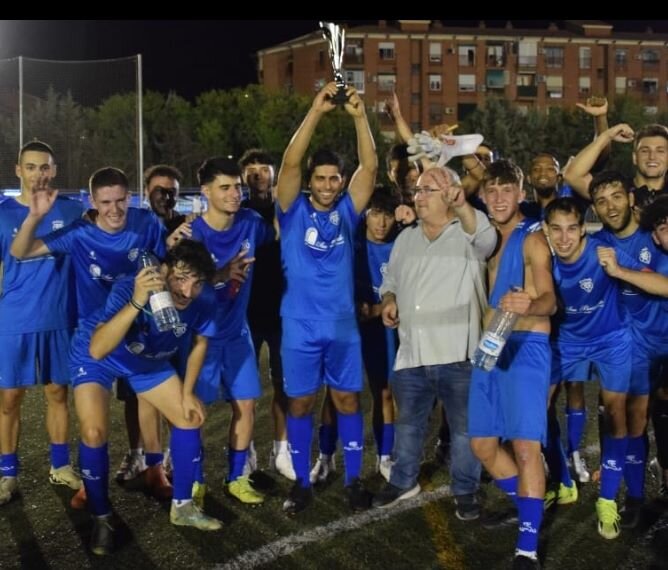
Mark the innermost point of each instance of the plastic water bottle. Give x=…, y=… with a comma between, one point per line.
x=494, y=338
x=197, y=206
x=162, y=305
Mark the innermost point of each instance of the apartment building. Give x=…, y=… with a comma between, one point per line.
x=442, y=73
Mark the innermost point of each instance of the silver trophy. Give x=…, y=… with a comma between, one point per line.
x=336, y=39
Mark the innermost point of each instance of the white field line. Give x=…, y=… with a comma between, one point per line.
x=289, y=544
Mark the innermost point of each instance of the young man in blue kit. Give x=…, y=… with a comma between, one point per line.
x=592, y=329
x=100, y=252
x=39, y=315
x=321, y=343
x=510, y=402
x=122, y=340
x=231, y=234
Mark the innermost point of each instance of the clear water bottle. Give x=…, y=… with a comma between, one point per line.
x=494, y=338
x=162, y=305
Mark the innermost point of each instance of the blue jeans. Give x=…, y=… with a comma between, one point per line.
x=414, y=390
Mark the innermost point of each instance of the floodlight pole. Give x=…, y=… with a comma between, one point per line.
x=140, y=131
x=20, y=101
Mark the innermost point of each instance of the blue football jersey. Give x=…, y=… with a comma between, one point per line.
x=248, y=232
x=37, y=294
x=317, y=252
x=144, y=344
x=101, y=258
x=589, y=297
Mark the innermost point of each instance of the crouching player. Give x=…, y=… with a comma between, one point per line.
x=122, y=340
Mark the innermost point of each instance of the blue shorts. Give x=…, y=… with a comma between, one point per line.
x=100, y=372
x=510, y=401
x=30, y=359
x=317, y=352
x=229, y=371
x=611, y=354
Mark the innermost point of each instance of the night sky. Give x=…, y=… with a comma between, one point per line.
x=185, y=56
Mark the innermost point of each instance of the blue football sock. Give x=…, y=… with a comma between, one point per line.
x=351, y=428
x=60, y=454
x=185, y=445
x=576, y=420
x=153, y=459
x=612, y=465
x=327, y=436
x=236, y=459
x=509, y=487
x=199, y=467
x=94, y=465
x=300, y=437
x=634, y=467
x=9, y=465
x=530, y=514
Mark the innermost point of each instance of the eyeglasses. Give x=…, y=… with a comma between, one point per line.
x=425, y=191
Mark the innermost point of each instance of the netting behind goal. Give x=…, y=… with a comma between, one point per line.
x=88, y=111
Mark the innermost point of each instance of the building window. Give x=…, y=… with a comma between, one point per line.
x=415, y=69
x=555, y=86
x=621, y=58
x=466, y=82
x=620, y=85
x=386, y=81
x=650, y=86
x=435, y=52
x=386, y=50
x=584, y=85
x=354, y=52
x=356, y=79
x=415, y=98
x=650, y=58
x=585, y=57
x=528, y=53
x=466, y=55
x=435, y=113
x=495, y=79
x=495, y=56
x=554, y=56
x=434, y=82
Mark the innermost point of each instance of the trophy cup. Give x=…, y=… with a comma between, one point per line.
x=336, y=40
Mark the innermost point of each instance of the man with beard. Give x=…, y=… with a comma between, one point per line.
x=614, y=202
x=650, y=158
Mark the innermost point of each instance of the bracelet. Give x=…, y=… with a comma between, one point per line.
x=136, y=305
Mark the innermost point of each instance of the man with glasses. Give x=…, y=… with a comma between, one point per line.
x=434, y=288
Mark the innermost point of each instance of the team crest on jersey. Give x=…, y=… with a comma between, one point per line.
x=383, y=269
x=246, y=245
x=136, y=347
x=180, y=329
x=645, y=256
x=133, y=253
x=57, y=224
x=95, y=270
x=334, y=218
x=587, y=284
x=311, y=236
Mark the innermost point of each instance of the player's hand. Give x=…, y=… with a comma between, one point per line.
x=193, y=409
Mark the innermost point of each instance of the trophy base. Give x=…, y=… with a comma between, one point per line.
x=341, y=98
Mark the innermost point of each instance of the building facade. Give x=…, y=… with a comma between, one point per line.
x=443, y=73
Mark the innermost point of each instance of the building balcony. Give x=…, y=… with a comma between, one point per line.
x=527, y=91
